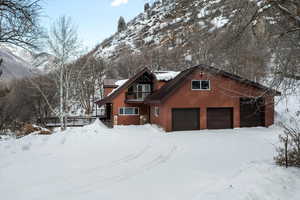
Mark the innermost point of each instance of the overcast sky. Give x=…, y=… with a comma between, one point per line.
x=96, y=19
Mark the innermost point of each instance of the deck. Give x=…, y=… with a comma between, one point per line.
x=54, y=122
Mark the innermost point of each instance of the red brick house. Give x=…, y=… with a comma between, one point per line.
x=201, y=97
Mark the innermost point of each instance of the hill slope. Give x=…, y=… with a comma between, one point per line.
x=176, y=23
x=13, y=66
x=175, y=34
x=166, y=24
x=20, y=63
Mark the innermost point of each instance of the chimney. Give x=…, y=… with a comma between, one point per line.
x=108, y=86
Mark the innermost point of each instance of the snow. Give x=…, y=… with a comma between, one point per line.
x=163, y=25
x=149, y=39
x=189, y=57
x=160, y=75
x=165, y=75
x=119, y=83
x=13, y=66
x=22, y=63
x=143, y=162
x=287, y=106
x=219, y=21
x=154, y=26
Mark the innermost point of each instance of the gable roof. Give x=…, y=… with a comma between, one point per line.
x=122, y=87
x=170, y=87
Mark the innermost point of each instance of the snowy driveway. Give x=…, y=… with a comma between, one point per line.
x=141, y=162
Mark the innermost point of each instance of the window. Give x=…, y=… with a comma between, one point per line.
x=143, y=90
x=200, y=85
x=156, y=111
x=129, y=111
x=143, y=87
x=205, y=85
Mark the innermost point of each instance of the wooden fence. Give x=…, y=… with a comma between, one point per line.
x=52, y=122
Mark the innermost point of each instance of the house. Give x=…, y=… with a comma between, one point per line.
x=201, y=97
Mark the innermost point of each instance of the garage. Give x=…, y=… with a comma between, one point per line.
x=252, y=112
x=184, y=119
x=219, y=118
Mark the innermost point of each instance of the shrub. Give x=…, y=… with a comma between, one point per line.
x=289, y=151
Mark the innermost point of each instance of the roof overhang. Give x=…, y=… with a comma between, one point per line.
x=110, y=86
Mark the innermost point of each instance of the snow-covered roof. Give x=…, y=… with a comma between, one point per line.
x=160, y=75
x=165, y=75
x=119, y=83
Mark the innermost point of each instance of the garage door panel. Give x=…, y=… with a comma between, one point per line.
x=185, y=119
x=252, y=112
x=219, y=118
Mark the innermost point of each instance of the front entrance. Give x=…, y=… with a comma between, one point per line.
x=184, y=119
x=108, y=119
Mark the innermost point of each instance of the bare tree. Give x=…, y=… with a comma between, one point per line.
x=4, y=89
x=64, y=44
x=281, y=34
x=24, y=103
x=19, y=26
x=88, y=75
x=1, y=71
x=19, y=22
x=289, y=152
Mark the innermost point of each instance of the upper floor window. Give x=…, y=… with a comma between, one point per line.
x=129, y=111
x=200, y=85
x=143, y=88
x=138, y=92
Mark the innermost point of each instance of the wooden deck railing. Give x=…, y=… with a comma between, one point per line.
x=52, y=122
x=136, y=96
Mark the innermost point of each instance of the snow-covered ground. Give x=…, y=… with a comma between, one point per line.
x=142, y=162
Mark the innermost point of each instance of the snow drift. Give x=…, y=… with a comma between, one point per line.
x=142, y=162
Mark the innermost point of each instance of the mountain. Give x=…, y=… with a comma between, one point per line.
x=236, y=36
x=171, y=23
x=42, y=62
x=20, y=63
x=13, y=66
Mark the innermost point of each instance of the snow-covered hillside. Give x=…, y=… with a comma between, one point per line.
x=43, y=62
x=171, y=23
x=19, y=63
x=142, y=162
x=167, y=23
x=13, y=66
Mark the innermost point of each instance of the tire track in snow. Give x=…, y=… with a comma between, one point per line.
x=126, y=159
x=160, y=159
x=89, y=172
x=157, y=161
x=105, y=181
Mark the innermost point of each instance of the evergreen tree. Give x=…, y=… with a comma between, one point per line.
x=121, y=24
x=146, y=7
